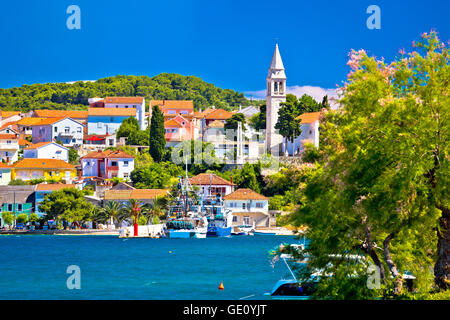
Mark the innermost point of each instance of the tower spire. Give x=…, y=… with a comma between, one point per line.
x=276, y=63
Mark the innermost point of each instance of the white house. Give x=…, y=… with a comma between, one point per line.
x=211, y=185
x=9, y=147
x=107, y=164
x=310, y=133
x=248, y=207
x=47, y=150
x=66, y=130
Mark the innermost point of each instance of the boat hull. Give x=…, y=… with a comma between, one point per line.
x=214, y=231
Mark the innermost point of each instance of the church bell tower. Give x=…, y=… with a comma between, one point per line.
x=276, y=94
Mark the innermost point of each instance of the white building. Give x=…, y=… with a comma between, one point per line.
x=107, y=164
x=47, y=150
x=211, y=185
x=309, y=124
x=248, y=207
x=9, y=147
x=66, y=130
x=276, y=94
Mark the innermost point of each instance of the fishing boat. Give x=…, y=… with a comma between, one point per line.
x=185, y=219
x=220, y=219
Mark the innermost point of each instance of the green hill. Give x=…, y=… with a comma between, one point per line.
x=75, y=96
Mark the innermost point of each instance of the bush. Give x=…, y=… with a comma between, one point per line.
x=22, y=218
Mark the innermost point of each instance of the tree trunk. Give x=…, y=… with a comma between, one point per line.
x=371, y=250
x=442, y=266
x=391, y=265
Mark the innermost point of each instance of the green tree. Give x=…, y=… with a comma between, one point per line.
x=8, y=218
x=232, y=123
x=127, y=127
x=74, y=157
x=155, y=175
x=22, y=218
x=258, y=120
x=384, y=174
x=287, y=125
x=157, y=134
x=33, y=217
x=17, y=182
x=112, y=211
x=67, y=204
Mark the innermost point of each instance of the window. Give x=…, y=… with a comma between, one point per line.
x=8, y=141
x=235, y=218
x=88, y=163
x=58, y=152
x=125, y=163
x=125, y=175
x=79, y=129
x=10, y=207
x=246, y=220
x=111, y=142
x=19, y=207
x=56, y=129
x=66, y=129
x=114, y=163
x=243, y=205
x=1, y=174
x=73, y=140
x=259, y=205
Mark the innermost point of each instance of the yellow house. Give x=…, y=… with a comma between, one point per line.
x=31, y=168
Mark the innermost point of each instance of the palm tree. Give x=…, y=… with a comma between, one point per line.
x=157, y=208
x=112, y=211
x=128, y=211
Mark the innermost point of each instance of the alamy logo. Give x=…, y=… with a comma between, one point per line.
x=374, y=20
x=373, y=281
x=74, y=20
x=74, y=280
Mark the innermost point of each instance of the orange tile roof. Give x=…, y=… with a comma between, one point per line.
x=53, y=187
x=172, y=123
x=27, y=121
x=24, y=142
x=4, y=165
x=173, y=104
x=46, y=121
x=138, y=194
x=8, y=136
x=244, y=194
x=7, y=114
x=218, y=114
x=123, y=112
x=31, y=163
x=122, y=100
x=75, y=114
x=12, y=123
x=216, y=124
x=113, y=154
x=309, y=117
x=41, y=144
x=207, y=178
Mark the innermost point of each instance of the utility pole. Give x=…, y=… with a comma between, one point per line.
x=14, y=209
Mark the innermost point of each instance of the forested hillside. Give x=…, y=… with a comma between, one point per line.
x=73, y=96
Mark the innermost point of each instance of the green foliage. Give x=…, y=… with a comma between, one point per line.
x=287, y=125
x=127, y=126
x=155, y=175
x=36, y=181
x=22, y=218
x=131, y=130
x=67, y=204
x=75, y=96
x=258, y=120
x=201, y=156
x=33, y=217
x=73, y=156
x=7, y=217
x=310, y=153
x=17, y=182
x=232, y=123
x=157, y=135
x=383, y=179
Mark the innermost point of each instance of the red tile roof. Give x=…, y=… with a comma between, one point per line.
x=121, y=112
x=8, y=136
x=111, y=154
x=218, y=114
x=40, y=144
x=53, y=187
x=74, y=114
x=209, y=178
x=309, y=117
x=244, y=194
x=173, y=104
x=31, y=163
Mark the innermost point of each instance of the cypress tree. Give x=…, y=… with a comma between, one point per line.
x=157, y=135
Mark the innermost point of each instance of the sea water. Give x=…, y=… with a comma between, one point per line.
x=35, y=267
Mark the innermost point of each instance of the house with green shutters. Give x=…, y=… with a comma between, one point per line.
x=16, y=199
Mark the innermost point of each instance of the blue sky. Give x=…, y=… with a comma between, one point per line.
x=227, y=42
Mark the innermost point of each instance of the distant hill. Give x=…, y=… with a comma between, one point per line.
x=169, y=86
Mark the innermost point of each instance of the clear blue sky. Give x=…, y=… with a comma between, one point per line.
x=226, y=42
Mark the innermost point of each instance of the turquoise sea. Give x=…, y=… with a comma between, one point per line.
x=34, y=267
